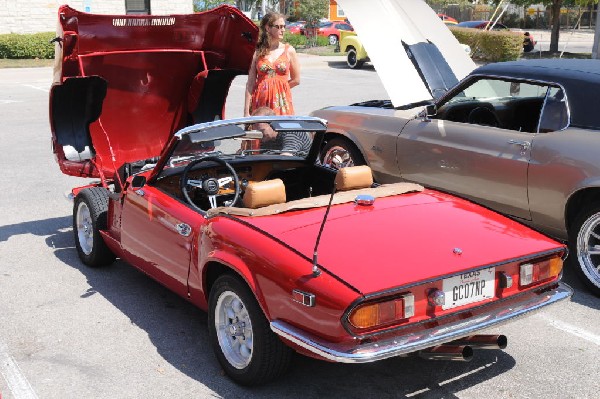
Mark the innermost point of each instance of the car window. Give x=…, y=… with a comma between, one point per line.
x=343, y=27
x=507, y=104
x=555, y=114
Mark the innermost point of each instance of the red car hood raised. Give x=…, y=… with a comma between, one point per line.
x=404, y=239
x=123, y=84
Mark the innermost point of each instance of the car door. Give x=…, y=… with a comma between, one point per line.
x=479, y=144
x=160, y=234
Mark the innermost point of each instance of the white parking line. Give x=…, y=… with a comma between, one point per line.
x=18, y=385
x=44, y=89
x=571, y=329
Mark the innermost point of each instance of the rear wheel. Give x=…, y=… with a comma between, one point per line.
x=333, y=39
x=352, y=59
x=89, y=217
x=584, y=247
x=247, y=349
x=339, y=153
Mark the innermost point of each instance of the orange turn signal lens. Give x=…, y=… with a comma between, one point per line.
x=380, y=313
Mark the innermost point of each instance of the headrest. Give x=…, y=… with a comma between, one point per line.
x=264, y=193
x=353, y=177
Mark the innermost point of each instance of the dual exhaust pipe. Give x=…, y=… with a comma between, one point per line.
x=462, y=349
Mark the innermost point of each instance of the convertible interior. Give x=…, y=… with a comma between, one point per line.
x=273, y=186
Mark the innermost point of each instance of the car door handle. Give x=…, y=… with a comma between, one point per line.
x=184, y=229
x=524, y=144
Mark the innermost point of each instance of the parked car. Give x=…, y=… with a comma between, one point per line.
x=284, y=254
x=528, y=40
x=447, y=19
x=295, y=28
x=518, y=137
x=331, y=29
x=356, y=55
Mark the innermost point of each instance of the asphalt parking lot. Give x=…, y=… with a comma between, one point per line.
x=69, y=331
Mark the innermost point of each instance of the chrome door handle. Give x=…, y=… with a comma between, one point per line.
x=524, y=144
x=183, y=229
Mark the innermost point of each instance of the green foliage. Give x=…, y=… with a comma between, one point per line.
x=299, y=41
x=312, y=10
x=204, y=5
x=36, y=45
x=491, y=46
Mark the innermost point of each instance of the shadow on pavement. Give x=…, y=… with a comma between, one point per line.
x=179, y=332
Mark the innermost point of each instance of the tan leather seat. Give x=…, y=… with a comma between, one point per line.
x=264, y=193
x=353, y=178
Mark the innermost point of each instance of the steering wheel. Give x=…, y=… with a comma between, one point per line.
x=210, y=186
x=483, y=116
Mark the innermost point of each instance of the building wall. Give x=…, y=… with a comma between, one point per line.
x=31, y=16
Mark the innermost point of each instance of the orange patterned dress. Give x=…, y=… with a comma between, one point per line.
x=272, y=87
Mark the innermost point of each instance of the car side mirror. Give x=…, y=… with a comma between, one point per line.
x=430, y=110
x=138, y=182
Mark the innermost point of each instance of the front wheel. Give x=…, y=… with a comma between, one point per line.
x=340, y=153
x=584, y=247
x=333, y=39
x=89, y=217
x=247, y=349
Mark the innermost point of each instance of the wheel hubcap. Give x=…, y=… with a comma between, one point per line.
x=85, y=230
x=352, y=58
x=588, y=248
x=234, y=330
x=337, y=157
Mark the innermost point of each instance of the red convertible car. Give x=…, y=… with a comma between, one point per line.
x=285, y=255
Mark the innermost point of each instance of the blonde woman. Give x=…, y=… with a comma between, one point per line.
x=274, y=70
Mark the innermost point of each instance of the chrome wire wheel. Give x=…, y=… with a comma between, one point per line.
x=588, y=248
x=337, y=157
x=234, y=329
x=85, y=228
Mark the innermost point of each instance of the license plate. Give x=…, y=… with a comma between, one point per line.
x=468, y=288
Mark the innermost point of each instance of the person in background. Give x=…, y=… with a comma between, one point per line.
x=527, y=42
x=274, y=70
x=290, y=143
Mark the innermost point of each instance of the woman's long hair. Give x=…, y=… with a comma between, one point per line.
x=263, y=46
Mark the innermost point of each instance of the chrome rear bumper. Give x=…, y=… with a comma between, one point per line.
x=491, y=315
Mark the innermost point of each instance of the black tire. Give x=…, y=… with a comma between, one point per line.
x=352, y=59
x=339, y=153
x=333, y=40
x=580, y=240
x=89, y=217
x=268, y=356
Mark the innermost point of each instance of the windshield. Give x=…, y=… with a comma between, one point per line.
x=262, y=138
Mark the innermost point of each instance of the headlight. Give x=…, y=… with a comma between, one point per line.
x=370, y=315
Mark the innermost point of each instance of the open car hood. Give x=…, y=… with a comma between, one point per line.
x=416, y=56
x=382, y=246
x=124, y=84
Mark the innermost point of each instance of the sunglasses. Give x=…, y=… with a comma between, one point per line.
x=278, y=26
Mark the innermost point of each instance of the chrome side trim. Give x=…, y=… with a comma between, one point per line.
x=355, y=352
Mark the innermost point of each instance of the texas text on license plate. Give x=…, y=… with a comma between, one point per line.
x=469, y=287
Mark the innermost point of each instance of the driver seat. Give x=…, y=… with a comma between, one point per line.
x=264, y=193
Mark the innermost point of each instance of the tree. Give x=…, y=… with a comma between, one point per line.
x=555, y=6
x=311, y=11
x=204, y=5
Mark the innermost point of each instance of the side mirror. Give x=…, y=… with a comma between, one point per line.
x=430, y=110
x=138, y=182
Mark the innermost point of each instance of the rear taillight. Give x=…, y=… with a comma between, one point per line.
x=382, y=313
x=531, y=273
